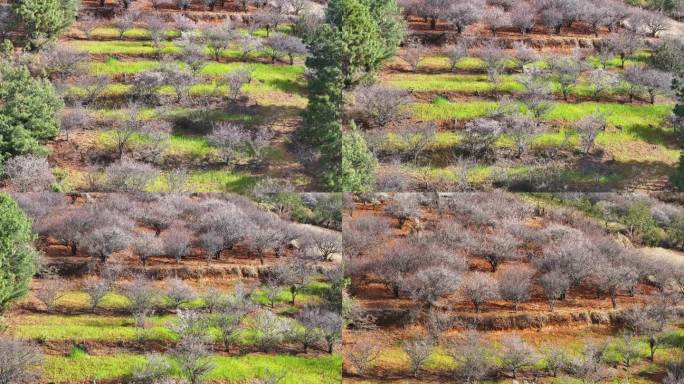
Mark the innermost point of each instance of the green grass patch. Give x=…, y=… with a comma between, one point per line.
x=445, y=110
x=451, y=82
x=177, y=144
x=119, y=47
x=210, y=181
x=91, y=327
x=300, y=370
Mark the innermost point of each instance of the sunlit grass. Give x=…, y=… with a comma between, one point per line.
x=471, y=83
x=239, y=369
x=209, y=181
x=176, y=144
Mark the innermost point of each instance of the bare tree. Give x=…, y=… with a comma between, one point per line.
x=455, y=53
x=600, y=82
x=193, y=355
x=516, y=354
x=651, y=81
x=522, y=17
x=270, y=329
x=537, y=95
x=236, y=80
x=124, y=23
x=403, y=207
x=473, y=356
x=496, y=18
x=480, y=137
x=612, y=278
x=588, y=129
x=127, y=175
x=629, y=348
x=363, y=356
x=143, y=299
x=193, y=55
x=430, y=284
x=103, y=242
x=555, y=284
x=379, y=105
x=623, y=45
x=178, y=293
x=495, y=59
x=52, y=288
x=93, y=87
x=461, y=14
x=218, y=38
x=328, y=324
x=183, y=23
x=479, y=287
x=97, y=289
x=416, y=138
x=418, y=348
x=285, y=44
x=177, y=243
x=497, y=248
x=555, y=357
x=414, y=53
x=19, y=362
x=61, y=63
x=515, y=284
x=588, y=366
x=566, y=71
x=523, y=54
x=29, y=173
x=73, y=119
x=651, y=22
x=145, y=246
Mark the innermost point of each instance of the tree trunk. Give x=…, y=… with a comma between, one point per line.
x=652, y=346
x=74, y=248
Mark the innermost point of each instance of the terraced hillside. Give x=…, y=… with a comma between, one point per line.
x=193, y=99
x=510, y=102
x=497, y=287
x=196, y=302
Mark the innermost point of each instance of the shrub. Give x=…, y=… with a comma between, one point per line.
x=44, y=20
x=379, y=105
x=17, y=254
x=29, y=110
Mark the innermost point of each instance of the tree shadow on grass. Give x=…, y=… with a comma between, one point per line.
x=654, y=135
